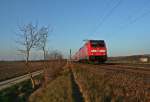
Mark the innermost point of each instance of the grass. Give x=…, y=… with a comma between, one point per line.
x=101, y=86
x=21, y=91
x=59, y=90
x=95, y=85
x=17, y=93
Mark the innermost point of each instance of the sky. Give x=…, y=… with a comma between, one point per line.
x=123, y=24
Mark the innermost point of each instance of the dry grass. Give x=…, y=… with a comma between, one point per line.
x=102, y=86
x=59, y=90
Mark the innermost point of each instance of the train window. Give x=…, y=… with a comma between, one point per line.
x=101, y=44
x=97, y=44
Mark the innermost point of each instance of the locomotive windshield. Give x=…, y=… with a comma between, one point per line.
x=98, y=43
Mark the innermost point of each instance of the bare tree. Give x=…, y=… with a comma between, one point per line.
x=43, y=35
x=29, y=38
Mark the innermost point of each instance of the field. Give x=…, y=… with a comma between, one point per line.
x=74, y=82
x=16, y=68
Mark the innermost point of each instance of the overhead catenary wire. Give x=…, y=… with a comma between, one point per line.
x=133, y=19
x=108, y=14
x=130, y=21
x=136, y=19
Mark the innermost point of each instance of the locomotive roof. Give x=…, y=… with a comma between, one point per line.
x=96, y=40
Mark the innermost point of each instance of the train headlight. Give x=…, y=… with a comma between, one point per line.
x=98, y=50
x=102, y=50
x=93, y=51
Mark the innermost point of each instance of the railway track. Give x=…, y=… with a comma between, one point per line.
x=140, y=72
x=127, y=68
x=127, y=79
x=120, y=68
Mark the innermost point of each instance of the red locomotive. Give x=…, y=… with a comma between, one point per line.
x=92, y=51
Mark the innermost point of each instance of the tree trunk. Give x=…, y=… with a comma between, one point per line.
x=28, y=70
x=45, y=68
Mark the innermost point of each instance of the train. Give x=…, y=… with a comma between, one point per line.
x=91, y=51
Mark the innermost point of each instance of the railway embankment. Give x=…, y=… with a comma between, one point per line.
x=100, y=84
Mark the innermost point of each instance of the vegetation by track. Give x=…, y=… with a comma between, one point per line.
x=63, y=89
x=101, y=85
x=94, y=83
x=133, y=68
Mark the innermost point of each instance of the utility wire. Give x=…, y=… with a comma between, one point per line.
x=135, y=19
x=139, y=17
x=108, y=15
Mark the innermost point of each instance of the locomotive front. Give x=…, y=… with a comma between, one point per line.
x=97, y=51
